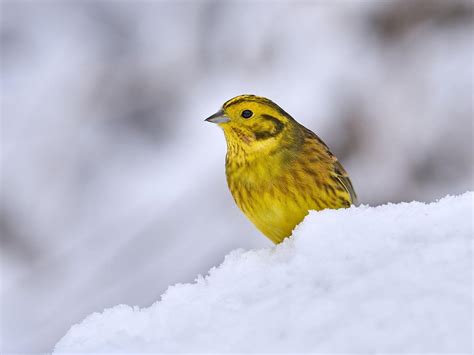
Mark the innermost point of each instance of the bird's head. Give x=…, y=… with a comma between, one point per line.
x=252, y=122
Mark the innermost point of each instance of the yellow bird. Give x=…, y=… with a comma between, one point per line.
x=277, y=170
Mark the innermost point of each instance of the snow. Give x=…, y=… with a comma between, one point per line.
x=393, y=278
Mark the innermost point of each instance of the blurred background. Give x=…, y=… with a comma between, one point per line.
x=113, y=187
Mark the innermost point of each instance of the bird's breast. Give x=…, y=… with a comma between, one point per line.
x=268, y=196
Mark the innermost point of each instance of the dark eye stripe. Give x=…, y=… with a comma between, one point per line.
x=278, y=128
x=247, y=113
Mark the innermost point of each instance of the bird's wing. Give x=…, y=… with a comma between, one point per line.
x=342, y=176
x=339, y=170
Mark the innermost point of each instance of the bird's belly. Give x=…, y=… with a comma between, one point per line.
x=274, y=213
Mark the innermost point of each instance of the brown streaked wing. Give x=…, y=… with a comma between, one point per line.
x=342, y=176
x=339, y=171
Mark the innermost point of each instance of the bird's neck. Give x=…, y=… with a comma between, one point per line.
x=259, y=161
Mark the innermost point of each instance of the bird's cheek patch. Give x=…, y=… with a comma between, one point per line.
x=268, y=127
x=263, y=135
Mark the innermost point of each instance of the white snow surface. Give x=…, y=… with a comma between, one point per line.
x=393, y=278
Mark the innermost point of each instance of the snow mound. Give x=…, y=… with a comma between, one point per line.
x=394, y=278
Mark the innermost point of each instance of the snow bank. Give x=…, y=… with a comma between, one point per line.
x=394, y=278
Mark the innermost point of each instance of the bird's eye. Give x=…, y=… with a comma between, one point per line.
x=247, y=113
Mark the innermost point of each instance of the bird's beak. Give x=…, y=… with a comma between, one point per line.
x=218, y=117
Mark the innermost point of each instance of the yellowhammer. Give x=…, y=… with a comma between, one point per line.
x=277, y=169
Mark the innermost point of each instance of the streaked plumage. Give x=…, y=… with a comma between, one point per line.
x=277, y=170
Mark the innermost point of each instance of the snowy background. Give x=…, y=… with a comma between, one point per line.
x=113, y=187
